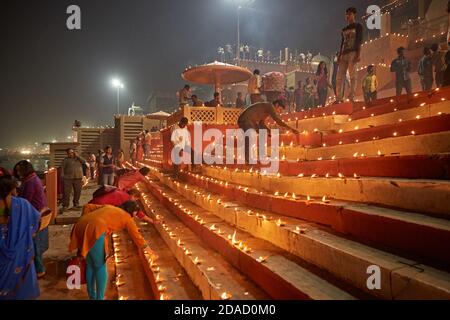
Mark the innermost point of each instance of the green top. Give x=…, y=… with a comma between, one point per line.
x=2, y=212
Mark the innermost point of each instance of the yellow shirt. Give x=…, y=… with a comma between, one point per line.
x=370, y=83
x=97, y=220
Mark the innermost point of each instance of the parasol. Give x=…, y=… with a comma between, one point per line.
x=217, y=74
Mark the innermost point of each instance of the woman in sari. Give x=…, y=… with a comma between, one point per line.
x=32, y=190
x=19, y=220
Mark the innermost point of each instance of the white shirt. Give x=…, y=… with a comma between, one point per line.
x=181, y=137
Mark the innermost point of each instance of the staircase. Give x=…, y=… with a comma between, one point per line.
x=363, y=188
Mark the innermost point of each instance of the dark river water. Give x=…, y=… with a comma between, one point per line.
x=39, y=162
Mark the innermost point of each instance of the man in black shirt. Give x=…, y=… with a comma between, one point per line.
x=402, y=67
x=426, y=70
x=349, y=54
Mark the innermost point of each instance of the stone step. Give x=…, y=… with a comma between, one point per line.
x=422, y=196
x=130, y=274
x=403, y=103
x=346, y=123
x=434, y=167
x=399, y=129
x=346, y=259
x=397, y=146
x=171, y=281
x=415, y=234
x=212, y=275
x=327, y=123
x=429, y=110
x=279, y=274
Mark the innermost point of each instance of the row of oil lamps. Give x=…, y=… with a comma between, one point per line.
x=197, y=261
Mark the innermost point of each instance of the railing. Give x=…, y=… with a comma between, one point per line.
x=206, y=115
x=428, y=30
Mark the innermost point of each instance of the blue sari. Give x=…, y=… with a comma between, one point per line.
x=18, y=280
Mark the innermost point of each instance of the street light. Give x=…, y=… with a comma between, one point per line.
x=116, y=83
x=243, y=3
x=238, y=49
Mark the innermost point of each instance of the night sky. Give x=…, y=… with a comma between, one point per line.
x=50, y=76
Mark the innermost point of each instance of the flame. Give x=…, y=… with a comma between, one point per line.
x=197, y=260
x=225, y=296
x=213, y=228
x=233, y=238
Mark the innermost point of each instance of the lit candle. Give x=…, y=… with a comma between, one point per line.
x=324, y=200
x=197, y=261
x=225, y=296
x=161, y=288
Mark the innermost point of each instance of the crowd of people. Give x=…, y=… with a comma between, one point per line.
x=23, y=240
x=433, y=70
x=140, y=146
x=24, y=236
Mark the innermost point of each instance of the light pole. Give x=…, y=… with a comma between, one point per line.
x=116, y=83
x=238, y=49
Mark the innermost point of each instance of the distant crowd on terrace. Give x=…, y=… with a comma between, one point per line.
x=433, y=71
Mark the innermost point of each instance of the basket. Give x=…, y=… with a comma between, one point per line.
x=46, y=218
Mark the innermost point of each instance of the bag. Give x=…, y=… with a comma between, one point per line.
x=46, y=218
x=79, y=262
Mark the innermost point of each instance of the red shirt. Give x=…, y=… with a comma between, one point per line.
x=128, y=180
x=115, y=198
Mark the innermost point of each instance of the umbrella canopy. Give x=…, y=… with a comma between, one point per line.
x=158, y=115
x=216, y=73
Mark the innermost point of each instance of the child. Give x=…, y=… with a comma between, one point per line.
x=370, y=85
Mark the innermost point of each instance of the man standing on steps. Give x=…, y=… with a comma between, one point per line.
x=255, y=116
x=402, y=67
x=349, y=54
x=255, y=86
x=72, y=173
